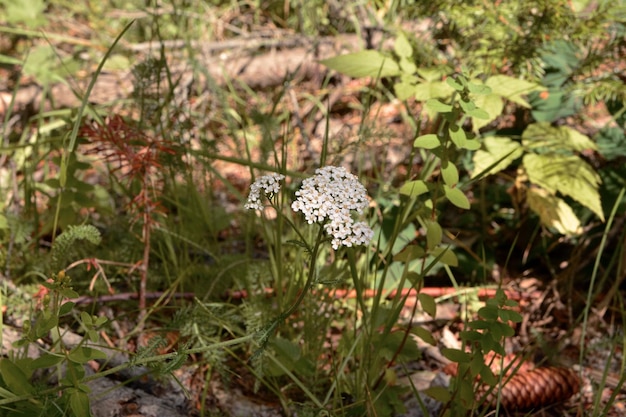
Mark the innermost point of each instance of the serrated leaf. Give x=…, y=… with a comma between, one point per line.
x=434, y=234
x=402, y=47
x=553, y=211
x=512, y=88
x=458, y=136
x=413, y=189
x=366, y=63
x=428, y=304
x=555, y=138
x=430, y=141
x=498, y=154
x=436, y=105
x=567, y=174
x=456, y=197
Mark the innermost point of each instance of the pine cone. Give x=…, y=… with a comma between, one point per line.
x=536, y=388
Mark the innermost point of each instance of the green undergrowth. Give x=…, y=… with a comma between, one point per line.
x=500, y=175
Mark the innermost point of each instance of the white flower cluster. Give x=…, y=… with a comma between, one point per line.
x=270, y=184
x=328, y=197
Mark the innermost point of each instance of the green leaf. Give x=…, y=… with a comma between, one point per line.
x=498, y=154
x=424, y=334
x=436, y=105
x=478, y=114
x=409, y=253
x=478, y=88
x=428, y=304
x=47, y=360
x=454, y=84
x=458, y=136
x=366, y=63
x=440, y=394
x=83, y=354
x=544, y=136
x=79, y=403
x=492, y=104
x=510, y=315
x=450, y=173
x=445, y=256
x=413, y=189
x=512, y=88
x=456, y=355
x=433, y=89
x=402, y=47
x=567, y=174
x=434, y=234
x=430, y=141
x=488, y=312
x=553, y=211
x=456, y=197
x=66, y=308
x=15, y=378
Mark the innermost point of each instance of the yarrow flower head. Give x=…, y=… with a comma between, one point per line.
x=328, y=198
x=268, y=184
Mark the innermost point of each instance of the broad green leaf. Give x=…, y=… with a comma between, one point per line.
x=568, y=175
x=456, y=355
x=84, y=354
x=456, y=197
x=428, y=304
x=424, y=334
x=79, y=403
x=445, y=256
x=404, y=89
x=472, y=145
x=414, y=188
x=510, y=315
x=498, y=154
x=402, y=47
x=430, y=141
x=409, y=253
x=553, y=211
x=454, y=84
x=433, y=73
x=407, y=66
x=366, y=63
x=434, y=234
x=467, y=106
x=458, y=136
x=478, y=114
x=433, y=89
x=66, y=308
x=15, y=378
x=478, y=88
x=441, y=394
x=47, y=360
x=436, y=105
x=492, y=104
x=450, y=173
x=555, y=138
x=512, y=88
